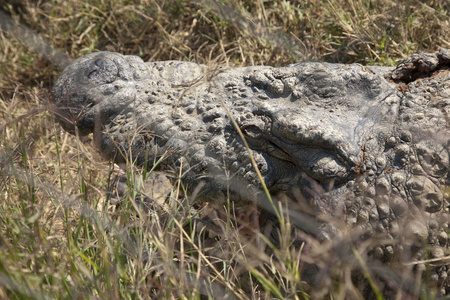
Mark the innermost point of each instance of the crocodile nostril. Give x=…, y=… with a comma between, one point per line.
x=100, y=70
x=92, y=73
x=99, y=62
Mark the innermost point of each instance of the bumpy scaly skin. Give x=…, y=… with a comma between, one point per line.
x=376, y=139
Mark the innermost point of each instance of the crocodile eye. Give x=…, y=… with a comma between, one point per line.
x=256, y=126
x=252, y=131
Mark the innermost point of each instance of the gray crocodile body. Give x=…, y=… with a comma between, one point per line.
x=368, y=145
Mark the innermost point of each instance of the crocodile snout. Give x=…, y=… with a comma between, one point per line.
x=71, y=89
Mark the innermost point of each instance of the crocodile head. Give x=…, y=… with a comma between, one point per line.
x=306, y=123
x=360, y=145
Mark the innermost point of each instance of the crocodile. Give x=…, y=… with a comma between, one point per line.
x=366, y=145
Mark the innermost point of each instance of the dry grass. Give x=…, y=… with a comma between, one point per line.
x=59, y=235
